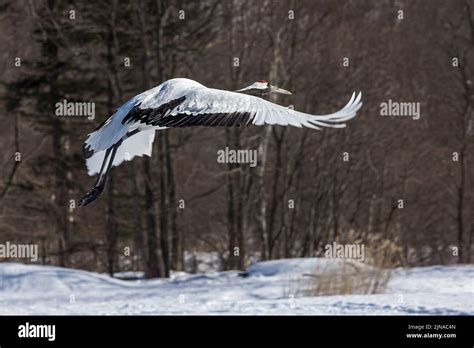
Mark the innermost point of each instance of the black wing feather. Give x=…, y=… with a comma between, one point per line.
x=161, y=117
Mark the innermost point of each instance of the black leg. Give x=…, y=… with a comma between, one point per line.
x=107, y=152
x=106, y=174
x=97, y=189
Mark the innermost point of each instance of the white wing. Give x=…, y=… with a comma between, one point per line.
x=213, y=107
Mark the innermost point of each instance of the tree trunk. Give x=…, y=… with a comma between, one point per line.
x=139, y=243
x=164, y=240
x=154, y=266
x=177, y=257
x=231, y=219
x=460, y=207
x=111, y=224
x=112, y=234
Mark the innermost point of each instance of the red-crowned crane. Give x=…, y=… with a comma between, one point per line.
x=180, y=102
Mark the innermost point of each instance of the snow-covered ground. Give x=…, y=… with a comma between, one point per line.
x=266, y=289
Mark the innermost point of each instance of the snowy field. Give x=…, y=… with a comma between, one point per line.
x=267, y=289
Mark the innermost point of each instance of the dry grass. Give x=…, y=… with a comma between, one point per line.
x=347, y=276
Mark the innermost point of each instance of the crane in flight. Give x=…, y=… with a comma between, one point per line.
x=181, y=102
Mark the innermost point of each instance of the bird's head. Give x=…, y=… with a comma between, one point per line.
x=262, y=87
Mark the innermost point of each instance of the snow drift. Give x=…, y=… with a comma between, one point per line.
x=262, y=289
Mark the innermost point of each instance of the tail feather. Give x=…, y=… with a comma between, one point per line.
x=137, y=145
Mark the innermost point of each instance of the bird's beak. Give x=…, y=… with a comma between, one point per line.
x=274, y=89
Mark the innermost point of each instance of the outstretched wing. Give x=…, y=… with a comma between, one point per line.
x=218, y=108
x=195, y=105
